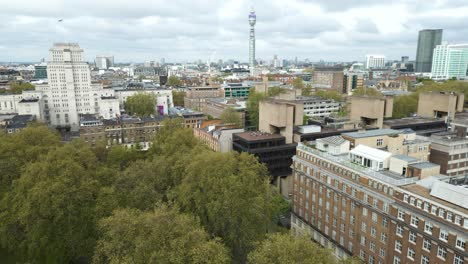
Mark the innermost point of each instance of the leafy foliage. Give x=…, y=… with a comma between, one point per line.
x=173, y=81
x=18, y=88
x=159, y=236
x=232, y=117
x=141, y=104
x=178, y=97
x=367, y=91
x=298, y=83
x=329, y=94
x=252, y=107
x=307, y=90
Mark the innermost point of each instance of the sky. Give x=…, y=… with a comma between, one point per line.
x=142, y=30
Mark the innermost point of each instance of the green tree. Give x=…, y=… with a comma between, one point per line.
x=232, y=198
x=367, y=91
x=252, y=107
x=49, y=214
x=22, y=148
x=308, y=70
x=18, y=88
x=178, y=97
x=141, y=104
x=298, y=83
x=405, y=105
x=329, y=94
x=276, y=90
x=141, y=77
x=161, y=236
x=120, y=157
x=173, y=81
x=283, y=248
x=231, y=117
x=307, y=90
x=305, y=120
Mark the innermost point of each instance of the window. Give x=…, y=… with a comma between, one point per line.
x=412, y=237
x=441, y=252
x=424, y=260
x=383, y=237
x=374, y=217
x=399, y=231
x=414, y=221
x=379, y=142
x=411, y=253
x=433, y=209
x=441, y=212
x=362, y=255
x=405, y=198
x=373, y=231
x=384, y=222
x=363, y=227
x=457, y=220
x=364, y=211
x=396, y=260
x=443, y=235
x=449, y=216
x=401, y=215
x=428, y=228
x=363, y=240
x=382, y=252
x=398, y=246
x=371, y=259
x=457, y=260
x=460, y=243
x=427, y=245
x=372, y=246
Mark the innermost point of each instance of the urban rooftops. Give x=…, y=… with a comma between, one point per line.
x=372, y=133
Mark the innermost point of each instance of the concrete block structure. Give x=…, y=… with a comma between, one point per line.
x=370, y=111
x=440, y=104
x=280, y=116
x=329, y=78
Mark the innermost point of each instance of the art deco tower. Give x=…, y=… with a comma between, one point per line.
x=252, y=20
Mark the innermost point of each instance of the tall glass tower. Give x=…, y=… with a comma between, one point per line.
x=428, y=39
x=252, y=21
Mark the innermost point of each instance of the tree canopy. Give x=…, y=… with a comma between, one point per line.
x=231, y=117
x=252, y=107
x=367, y=91
x=298, y=83
x=329, y=94
x=18, y=88
x=173, y=81
x=141, y=104
x=178, y=97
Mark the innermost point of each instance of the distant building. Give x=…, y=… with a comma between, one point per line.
x=236, y=90
x=280, y=116
x=104, y=62
x=375, y=61
x=40, y=71
x=216, y=106
x=428, y=39
x=192, y=119
x=404, y=59
x=352, y=81
x=328, y=78
x=421, y=125
x=450, y=61
x=318, y=107
x=195, y=96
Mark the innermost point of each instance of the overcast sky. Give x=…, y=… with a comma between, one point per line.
x=139, y=30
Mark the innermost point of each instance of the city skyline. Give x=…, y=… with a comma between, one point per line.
x=318, y=30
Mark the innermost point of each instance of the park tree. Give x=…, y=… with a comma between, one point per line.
x=173, y=81
x=231, y=117
x=329, y=94
x=405, y=105
x=298, y=83
x=307, y=90
x=49, y=214
x=276, y=90
x=232, y=198
x=22, y=148
x=281, y=248
x=178, y=97
x=141, y=104
x=162, y=235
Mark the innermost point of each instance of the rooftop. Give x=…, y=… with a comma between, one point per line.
x=333, y=140
x=20, y=121
x=424, y=165
x=29, y=100
x=257, y=135
x=412, y=121
x=406, y=158
x=372, y=133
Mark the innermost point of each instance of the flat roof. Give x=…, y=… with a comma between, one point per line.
x=257, y=135
x=405, y=158
x=372, y=133
x=424, y=165
x=426, y=193
x=412, y=121
x=335, y=140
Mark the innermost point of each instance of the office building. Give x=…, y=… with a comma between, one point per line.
x=380, y=207
x=192, y=119
x=252, y=21
x=351, y=81
x=216, y=106
x=104, y=62
x=40, y=71
x=404, y=59
x=318, y=107
x=375, y=61
x=195, y=97
x=450, y=61
x=217, y=137
x=236, y=90
x=278, y=116
x=428, y=39
x=328, y=78
x=17, y=123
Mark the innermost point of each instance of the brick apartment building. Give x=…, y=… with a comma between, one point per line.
x=355, y=204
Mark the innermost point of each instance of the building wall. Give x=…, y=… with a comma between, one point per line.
x=375, y=109
x=278, y=117
x=431, y=102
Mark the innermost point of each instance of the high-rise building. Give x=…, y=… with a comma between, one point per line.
x=428, y=39
x=375, y=61
x=104, y=62
x=69, y=91
x=252, y=21
x=450, y=61
x=404, y=59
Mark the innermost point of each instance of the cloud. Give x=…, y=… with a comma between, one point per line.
x=177, y=30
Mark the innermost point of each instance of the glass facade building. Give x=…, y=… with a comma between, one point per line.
x=450, y=61
x=428, y=39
